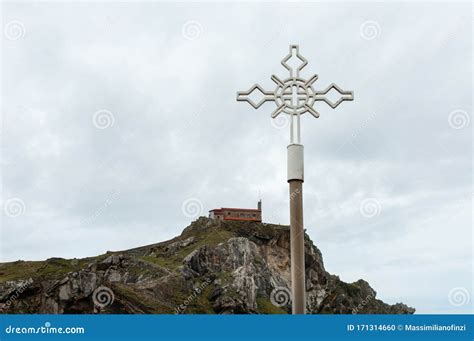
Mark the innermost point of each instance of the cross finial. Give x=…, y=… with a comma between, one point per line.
x=294, y=53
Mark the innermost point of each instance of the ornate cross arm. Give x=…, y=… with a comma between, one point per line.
x=266, y=96
x=345, y=95
x=293, y=95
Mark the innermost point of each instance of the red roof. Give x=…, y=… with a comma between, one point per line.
x=235, y=209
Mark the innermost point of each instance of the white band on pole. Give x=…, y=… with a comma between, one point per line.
x=295, y=162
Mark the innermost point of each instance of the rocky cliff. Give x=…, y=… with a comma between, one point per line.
x=212, y=267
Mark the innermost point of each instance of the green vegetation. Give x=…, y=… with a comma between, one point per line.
x=53, y=268
x=172, y=262
x=209, y=238
x=201, y=304
x=145, y=303
x=18, y=270
x=169, y=263
x=352, y=289
x=265, y=306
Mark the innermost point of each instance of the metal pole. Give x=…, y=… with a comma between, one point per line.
x=298, y=287
x=295, y=179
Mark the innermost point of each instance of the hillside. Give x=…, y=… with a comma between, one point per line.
x=211, y=268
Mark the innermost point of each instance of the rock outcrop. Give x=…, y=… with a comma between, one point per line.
x=213, y=267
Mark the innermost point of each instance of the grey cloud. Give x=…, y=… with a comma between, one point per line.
x=178, y=132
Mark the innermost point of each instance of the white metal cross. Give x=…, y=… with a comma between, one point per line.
x=294, y=95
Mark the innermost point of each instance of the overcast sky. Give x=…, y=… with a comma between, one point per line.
x=120, y=126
